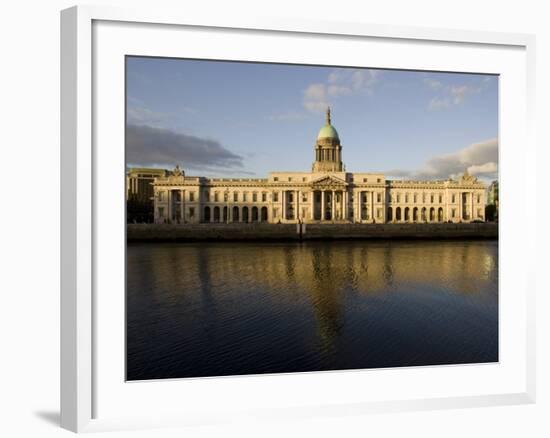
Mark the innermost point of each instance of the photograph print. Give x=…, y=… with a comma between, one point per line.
x=285, y=218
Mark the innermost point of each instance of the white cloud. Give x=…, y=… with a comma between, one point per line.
x=340, y=82
x=437, y=103
x=481, y=160
x=315, y=97
x=459, y=92
x=433, y=84
x=449, y=95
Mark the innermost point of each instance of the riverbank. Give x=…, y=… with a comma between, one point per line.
x=292, y=232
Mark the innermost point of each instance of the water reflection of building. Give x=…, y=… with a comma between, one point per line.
x=318, y=275
x=326, y=194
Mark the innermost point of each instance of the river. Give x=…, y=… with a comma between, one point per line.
x=213, y=309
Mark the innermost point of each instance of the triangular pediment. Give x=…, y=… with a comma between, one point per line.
x=328, y=181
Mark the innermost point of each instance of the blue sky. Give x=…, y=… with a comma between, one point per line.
x=246, y=119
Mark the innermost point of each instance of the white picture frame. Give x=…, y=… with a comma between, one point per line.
x=83, y=370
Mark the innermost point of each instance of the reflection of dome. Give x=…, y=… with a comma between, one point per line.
x=328, y=131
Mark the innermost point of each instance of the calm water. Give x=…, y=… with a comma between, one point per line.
x=214, y=309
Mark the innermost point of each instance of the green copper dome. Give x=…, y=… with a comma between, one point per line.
x=328, y=130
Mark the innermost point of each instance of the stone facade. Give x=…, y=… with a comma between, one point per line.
x=327, y=194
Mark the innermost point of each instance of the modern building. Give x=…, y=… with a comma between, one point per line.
x=491, y=211
x=139, y=183
x=139, y=193
x=326, y=194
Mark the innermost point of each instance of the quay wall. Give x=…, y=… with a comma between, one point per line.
x=274, y=232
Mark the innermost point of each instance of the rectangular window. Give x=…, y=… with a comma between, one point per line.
x=216, y=197
x=379, y=197
x=275, y=178
x=378, y=180
x=398, y=197
x=291, y=197
x=431, y=199
x=379, y=213
x=415, y=198
x=254, y=197
x=453, y=200
x=365, y=179
x=304, y=197
x=453, y=212
x=225, y=197
x=275, y=197
x=440, y=199
x=478, y=199
x=161, y=211
x=207, y=196
x=191, y=196
x=245, y=196
x=290, y=178
x=407, y=198
x=235, y=196
x=304, y=179
x=192, y=212
x=365, y=198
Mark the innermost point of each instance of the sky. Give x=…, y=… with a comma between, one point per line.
x=237, y=119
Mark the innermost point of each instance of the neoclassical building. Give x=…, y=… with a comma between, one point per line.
x=326, y=194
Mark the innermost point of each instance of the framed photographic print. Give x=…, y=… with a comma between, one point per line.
x=252, y=209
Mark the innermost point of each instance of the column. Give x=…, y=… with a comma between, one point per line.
x=460, y=206
x=472, y=215
x=358, y=196
x=323, y=205
x=446, y=215
x=170, y=205
x=345, y=206
x=283, y=206
x=333, y=199
x=182, y=206
x=297, y=205
x=312, y=203
x=372, y=206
